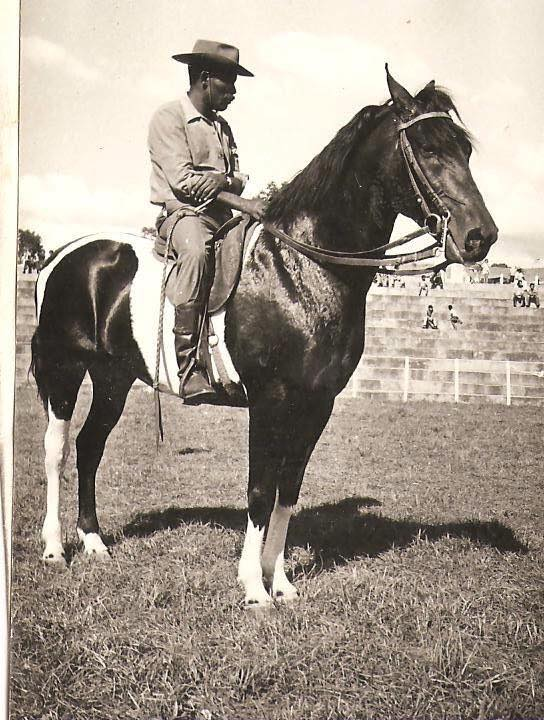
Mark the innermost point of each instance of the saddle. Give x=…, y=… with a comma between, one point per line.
x=229, y=242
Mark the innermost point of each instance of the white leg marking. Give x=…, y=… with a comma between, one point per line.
x=273, y=560
x=56, y=454
x=250, y=573
x=93, y=545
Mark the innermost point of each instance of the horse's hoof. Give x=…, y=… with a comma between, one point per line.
x=258, y=600
x=285, y=596
x=93, y=546
x=54, y=561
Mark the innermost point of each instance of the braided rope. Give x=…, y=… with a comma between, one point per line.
x=158, y=414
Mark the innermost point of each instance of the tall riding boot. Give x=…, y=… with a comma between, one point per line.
x=194, y=383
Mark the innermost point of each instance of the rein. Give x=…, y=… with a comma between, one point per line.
x=436, y=223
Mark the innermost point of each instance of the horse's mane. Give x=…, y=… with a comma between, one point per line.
x=320, y=185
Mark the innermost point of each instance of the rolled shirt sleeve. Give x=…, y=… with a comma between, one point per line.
x=170, y=155
x=183, y=145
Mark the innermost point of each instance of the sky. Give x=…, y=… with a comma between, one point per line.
x=94, y=71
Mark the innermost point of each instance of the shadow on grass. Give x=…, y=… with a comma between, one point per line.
x=337, y=532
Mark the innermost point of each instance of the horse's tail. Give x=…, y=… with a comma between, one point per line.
x=38, y=366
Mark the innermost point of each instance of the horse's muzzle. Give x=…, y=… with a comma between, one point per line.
x=478, y=241
x=476, y=245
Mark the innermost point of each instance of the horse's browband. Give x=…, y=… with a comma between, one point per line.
x=423, y=116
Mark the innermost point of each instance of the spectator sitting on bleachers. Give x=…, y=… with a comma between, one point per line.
x=531, y=296
x=423, y=286
x=454, y=319
x=428, y=321
x=519, y=293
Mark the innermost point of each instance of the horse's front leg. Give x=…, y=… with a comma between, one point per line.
x=273, y=559
x=282, y=435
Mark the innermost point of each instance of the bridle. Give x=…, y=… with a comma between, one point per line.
x=435, y=223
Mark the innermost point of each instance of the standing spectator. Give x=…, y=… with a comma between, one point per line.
x=28, y=262
x=532, y=297
x=519, y=276
x=454, y=319
x=423, y=286
x=485, y=271
x=436, y=281
x=519, y=294
x=428, y=321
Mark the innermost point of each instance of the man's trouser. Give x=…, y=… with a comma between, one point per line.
x=192, y=248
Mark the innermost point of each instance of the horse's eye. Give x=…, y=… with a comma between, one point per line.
x=428, y=153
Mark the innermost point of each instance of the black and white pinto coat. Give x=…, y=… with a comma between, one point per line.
x=294, y=330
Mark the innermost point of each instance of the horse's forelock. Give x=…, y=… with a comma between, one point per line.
x=438, y=99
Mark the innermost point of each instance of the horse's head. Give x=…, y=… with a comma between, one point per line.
x=427, y=169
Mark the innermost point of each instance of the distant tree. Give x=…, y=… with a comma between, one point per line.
x=30, y=247
x=149, y=232
x=270, y=190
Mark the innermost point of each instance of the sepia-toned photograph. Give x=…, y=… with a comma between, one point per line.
x=273, y=360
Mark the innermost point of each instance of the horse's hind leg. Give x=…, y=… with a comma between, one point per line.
x=111, y=382
x=60, y=386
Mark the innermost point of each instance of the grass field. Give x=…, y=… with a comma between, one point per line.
x=417, y=550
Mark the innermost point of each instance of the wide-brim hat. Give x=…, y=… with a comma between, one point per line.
x=209, y=54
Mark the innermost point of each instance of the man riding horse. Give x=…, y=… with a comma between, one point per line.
x=194, y=158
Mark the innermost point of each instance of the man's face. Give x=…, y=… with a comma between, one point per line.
x=222, y=88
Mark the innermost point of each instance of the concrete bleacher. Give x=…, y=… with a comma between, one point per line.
x=497, y=355
x=26, y=322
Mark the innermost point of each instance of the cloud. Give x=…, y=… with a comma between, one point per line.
x=340, y=60
x=61, y=207
x=44, y=52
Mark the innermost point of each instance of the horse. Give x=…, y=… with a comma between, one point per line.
x=294, y=327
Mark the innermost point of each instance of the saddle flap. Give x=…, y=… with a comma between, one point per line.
x=229, y=251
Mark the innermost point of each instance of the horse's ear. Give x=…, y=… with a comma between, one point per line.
x=403, y=102
x=427, y=92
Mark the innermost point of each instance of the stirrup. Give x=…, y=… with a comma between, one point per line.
x=194, y=387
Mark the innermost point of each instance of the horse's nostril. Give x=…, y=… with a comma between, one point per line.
x=474, y=240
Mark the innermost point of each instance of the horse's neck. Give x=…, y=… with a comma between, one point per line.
x=362, y=222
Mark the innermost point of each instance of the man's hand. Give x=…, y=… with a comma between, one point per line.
x=208, y=185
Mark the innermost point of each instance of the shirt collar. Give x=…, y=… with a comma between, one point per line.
x=191, y=113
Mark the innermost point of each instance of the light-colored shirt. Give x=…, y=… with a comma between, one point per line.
x=183, y=144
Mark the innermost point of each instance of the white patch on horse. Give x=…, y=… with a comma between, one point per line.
x=56, y=453
x=145, y=294
x=273, y=560
x=93, y=545
x=217, y=327
x=250, y=573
